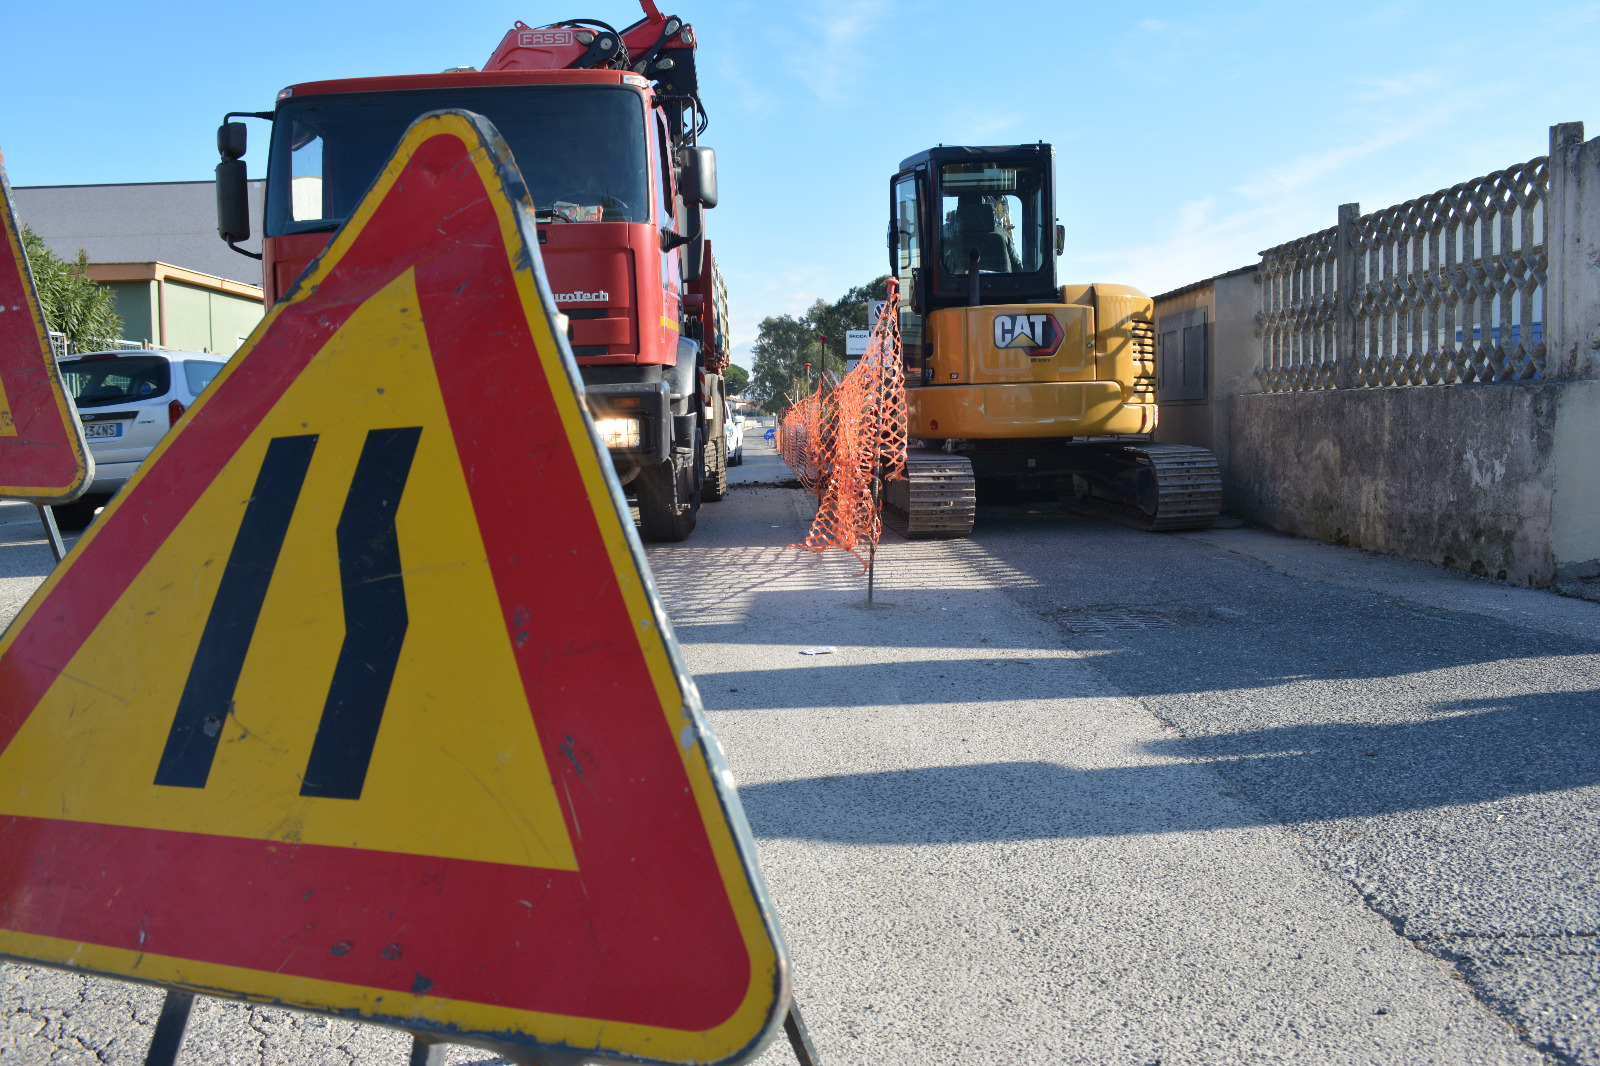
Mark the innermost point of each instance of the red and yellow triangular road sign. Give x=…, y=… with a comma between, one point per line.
x=43, y=456
x=359, y=699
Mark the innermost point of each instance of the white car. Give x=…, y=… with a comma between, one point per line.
x=734, y=428
x=127, y=401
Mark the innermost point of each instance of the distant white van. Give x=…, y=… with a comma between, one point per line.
x=127, y=400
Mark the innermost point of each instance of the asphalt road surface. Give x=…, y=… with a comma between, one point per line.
x=1074, y=793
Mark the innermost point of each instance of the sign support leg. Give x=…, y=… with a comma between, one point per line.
x=52, y=532
x=805, y=1052
x=426, y=1052
x=169, y=1027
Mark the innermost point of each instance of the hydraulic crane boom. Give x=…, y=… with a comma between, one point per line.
x=659, y=47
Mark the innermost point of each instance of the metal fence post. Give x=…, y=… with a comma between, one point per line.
x=1344, y=253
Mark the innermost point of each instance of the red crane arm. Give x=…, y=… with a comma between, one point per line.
x=578, y=44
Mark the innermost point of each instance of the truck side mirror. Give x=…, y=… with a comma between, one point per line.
x=698, y=176
x=1061, y=238
x=233, y=200
x=231, y=140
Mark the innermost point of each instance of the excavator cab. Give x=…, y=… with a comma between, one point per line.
x=974, y=226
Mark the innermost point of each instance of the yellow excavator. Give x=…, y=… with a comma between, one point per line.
x=1015, y=383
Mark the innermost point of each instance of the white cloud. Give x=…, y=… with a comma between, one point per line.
x=977, y=125
x=838, y=34
x=1377, y=90
x=1314, y=167
x=786, y=290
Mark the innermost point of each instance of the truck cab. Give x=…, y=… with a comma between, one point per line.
x=619, y=189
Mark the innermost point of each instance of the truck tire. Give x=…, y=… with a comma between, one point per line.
x=661, y=519
x=716, y=483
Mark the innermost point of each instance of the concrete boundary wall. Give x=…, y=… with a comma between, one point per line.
x=1496, y=479
x=1496, y=472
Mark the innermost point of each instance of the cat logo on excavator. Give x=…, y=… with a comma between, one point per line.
x=1037, y=335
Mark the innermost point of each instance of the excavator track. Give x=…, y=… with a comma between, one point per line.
x=1158, y=487
x=938, y=498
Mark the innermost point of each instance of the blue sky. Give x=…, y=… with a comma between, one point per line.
x=1188, y=136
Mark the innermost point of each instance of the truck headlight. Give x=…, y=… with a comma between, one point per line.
x=619, y=432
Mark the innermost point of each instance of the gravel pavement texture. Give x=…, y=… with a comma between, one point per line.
x=1074, y=793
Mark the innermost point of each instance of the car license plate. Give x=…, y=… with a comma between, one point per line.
x=98, y=430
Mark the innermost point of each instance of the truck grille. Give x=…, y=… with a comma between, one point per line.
x=1144, y=361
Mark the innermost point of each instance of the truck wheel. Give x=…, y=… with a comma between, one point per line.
x=716, y=483
x=661, y=518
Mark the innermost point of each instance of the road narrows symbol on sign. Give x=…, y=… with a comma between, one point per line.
x=231, y=625
x=374, y=610
x=374, y=617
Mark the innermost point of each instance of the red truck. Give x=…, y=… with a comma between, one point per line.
x=604, y=125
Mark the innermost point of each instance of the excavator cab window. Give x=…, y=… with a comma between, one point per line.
x=996, y=211
x=907, y=265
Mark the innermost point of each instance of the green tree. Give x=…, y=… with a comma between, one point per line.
x=847, y=312
x=785, y=344
x=71, y=301
x=737, y=379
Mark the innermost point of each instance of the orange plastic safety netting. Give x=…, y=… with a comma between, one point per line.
x=838, y=439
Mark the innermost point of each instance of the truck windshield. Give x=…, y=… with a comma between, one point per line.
x=997, y=210
x=581, y=149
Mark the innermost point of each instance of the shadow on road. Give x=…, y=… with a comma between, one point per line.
x=1467, y=755
x=985, y=802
